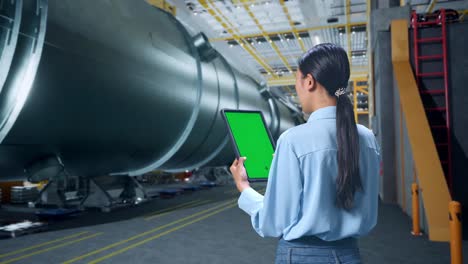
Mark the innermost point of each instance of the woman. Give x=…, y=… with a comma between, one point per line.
x=322, y=191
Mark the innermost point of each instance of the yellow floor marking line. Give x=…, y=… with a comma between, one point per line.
x=183, y=207
x=43, y=244
x=159, y=235
x=49, y=249
x=144, y=234
x=171, y=208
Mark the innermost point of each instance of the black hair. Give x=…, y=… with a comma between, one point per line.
x=328, y=64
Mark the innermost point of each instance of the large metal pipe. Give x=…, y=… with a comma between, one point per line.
x=121, y=88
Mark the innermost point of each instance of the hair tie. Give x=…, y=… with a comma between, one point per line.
x=340, y=91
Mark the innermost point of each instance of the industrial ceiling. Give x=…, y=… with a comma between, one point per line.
x=270, y=35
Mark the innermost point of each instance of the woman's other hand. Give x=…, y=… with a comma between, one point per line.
x=239, y=174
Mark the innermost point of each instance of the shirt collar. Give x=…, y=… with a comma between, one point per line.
x=328, y=112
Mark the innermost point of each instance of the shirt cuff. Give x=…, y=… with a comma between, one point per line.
x=250, y=201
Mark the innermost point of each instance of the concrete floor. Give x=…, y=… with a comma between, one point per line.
x=210, y=229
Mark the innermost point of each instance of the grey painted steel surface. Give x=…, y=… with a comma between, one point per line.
x=458, y=69
x=121, y=89
x=383, y=81
x=10, y=17
x=23, y=65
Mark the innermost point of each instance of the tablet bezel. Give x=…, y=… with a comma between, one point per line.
x=236, y=149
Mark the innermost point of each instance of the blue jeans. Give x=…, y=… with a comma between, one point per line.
x=314, y=250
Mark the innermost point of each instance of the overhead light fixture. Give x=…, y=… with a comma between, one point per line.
x=317, y=39
x=231, y=46
x=299, y=38
x=281, y=40
x=354, y=32
x=252, y=5
x=270, y=41
x=195, y=13
x=252, y=43
x=341, y=33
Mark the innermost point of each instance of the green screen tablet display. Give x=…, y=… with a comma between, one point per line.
x=252, y=140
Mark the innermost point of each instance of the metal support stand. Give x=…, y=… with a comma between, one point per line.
x=50, y=195
x=126, y=192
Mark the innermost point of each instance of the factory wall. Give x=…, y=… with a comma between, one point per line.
x=405, y=172
x=458, y=97
x=383, y=83
x=398, y=177
x=458, y=78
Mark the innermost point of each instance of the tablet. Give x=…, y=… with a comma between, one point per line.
x=252, y=139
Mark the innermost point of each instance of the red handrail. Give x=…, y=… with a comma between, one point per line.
x=440, y=20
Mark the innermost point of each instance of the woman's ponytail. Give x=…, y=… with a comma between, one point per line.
x=329, y=65
x=347, y=139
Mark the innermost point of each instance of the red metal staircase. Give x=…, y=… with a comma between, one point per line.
x=431, y=71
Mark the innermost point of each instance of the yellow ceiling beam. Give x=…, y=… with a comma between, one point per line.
x=281, y=81
x=360, y=79
x=293, y=27
x=356, y=74
x=265, y=35
x=431, y=6
x=348, y=29
x=275, y=58
x=359, y=88
x=462, y=13
x=370, y=65
x=229, y=28
x=290, y=32
x=362, y=90
x=245, y=2
x=291, y=79
x=164, y=5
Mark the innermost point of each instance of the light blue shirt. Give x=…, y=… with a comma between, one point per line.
x=301, y=190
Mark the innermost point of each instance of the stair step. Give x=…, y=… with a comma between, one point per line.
x=432, y=91
x=429, y=40
x=433, y=22
x=431, y=57
x=436, y=109
x=430, y=74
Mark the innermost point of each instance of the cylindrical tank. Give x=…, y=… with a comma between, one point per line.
x=122, y=88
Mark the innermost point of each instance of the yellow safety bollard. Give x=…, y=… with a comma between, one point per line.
x=416, y=228
x=455, y=232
